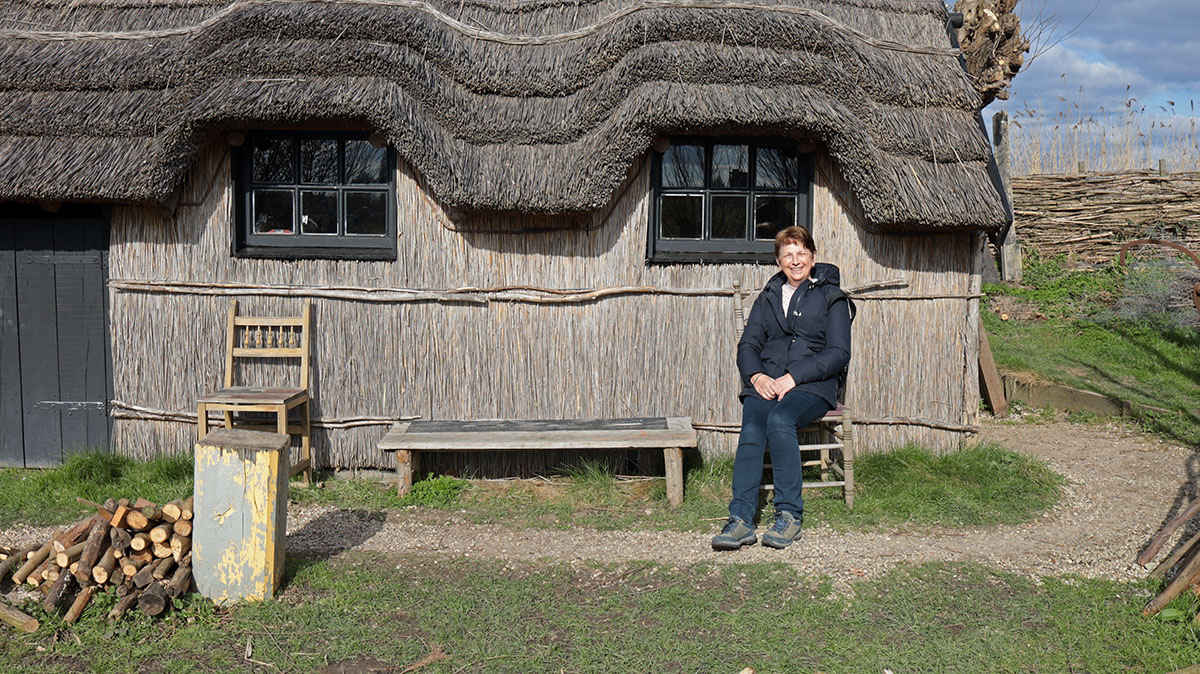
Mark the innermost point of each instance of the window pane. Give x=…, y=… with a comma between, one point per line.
x=273, y=212
x=682, y=216
x=366, y=213
x=365, y=163
x=273, y=160
x=777, y=168
x=772, y=214
x=318, y=160
x=731, y=166
x=729, y=217
x=318, y=212
x=683, y=166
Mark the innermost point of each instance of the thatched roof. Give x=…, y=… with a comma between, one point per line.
x=533, y=105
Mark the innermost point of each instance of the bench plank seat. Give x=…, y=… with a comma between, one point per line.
x=671, y=434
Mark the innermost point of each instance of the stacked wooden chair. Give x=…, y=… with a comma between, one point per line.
x=253, y=337
x=833, y=448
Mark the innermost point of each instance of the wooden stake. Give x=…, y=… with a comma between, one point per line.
x=104, y=511
x=64, y=558
x=118, y=518
x=163, y=568
x=172, y=510
x=120, y=538
x=123, y=605
x=182, y=580
x=153, y=600
x=81, y=602
x=180, y=546
x=160, y=533
x=17, y=619
x=96, y=541
x=32, y=563
x=1156, y=543
x=103, y=570
x=1186, y=577
x=15, y=560
x=73, y=535
x=54, y=596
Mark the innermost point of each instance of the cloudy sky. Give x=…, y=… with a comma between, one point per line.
x=1148, y=50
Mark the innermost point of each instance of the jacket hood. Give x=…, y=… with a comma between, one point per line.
x=823, y=273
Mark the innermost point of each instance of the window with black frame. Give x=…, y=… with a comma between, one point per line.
x=723, y=200
x=310, y=194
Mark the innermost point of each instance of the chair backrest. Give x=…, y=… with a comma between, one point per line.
x=268, y=337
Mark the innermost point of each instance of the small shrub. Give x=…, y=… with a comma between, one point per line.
x=436, y=492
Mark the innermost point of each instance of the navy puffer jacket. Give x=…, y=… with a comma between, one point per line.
x=812, y=343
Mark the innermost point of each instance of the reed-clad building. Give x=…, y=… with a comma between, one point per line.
x=527, y=209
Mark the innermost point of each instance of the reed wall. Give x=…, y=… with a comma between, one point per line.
x=627, y=354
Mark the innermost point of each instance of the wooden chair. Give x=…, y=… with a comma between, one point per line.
x=266, y=337
x=834, y=446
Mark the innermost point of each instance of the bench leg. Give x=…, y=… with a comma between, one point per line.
x=673, y=457
x=404, y=471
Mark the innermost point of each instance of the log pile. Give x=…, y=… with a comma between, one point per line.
x=1186, y=559
x=138, y=550
x=1089, y=216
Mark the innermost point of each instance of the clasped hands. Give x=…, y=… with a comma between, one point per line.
x=769, y=388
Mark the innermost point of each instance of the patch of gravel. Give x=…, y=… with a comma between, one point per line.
x=1123, y=487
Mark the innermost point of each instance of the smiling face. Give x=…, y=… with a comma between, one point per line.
x=796, y=261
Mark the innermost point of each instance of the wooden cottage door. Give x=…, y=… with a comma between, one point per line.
x=55, y=361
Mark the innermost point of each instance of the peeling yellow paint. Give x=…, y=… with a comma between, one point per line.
x=241, y=556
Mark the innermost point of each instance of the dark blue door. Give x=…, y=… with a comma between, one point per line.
x=55, y=363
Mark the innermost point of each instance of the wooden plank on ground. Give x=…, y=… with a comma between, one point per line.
x=993, y=386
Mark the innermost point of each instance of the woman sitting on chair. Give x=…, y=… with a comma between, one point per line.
x=795, y=345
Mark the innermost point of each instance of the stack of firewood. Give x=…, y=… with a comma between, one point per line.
x=1186, y=557
x=138, y=550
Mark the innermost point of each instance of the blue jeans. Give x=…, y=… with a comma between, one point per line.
x=772, y=422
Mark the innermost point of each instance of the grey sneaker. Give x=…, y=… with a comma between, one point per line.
x=785, y=529
x=734, y=535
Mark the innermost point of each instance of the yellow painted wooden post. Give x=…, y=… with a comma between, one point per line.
x=241, y=483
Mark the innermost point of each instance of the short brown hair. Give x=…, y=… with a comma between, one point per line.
x=794, y=234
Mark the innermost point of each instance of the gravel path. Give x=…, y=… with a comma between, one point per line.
x=1123, y=486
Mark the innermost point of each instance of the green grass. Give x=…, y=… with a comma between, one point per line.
x=392, y=611
x=979, y=486
x=40, y=497
x=1082, y=343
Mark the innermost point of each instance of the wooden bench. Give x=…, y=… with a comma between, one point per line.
x=671, y=434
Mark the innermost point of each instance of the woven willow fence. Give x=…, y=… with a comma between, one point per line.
x=1089, y=216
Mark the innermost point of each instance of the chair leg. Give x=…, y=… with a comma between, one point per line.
x=202, y=421
x=823, y=437
x=228, y=419
x=848, y=462
x=306, y=441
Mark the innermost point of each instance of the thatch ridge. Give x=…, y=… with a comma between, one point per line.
x=562, y=121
